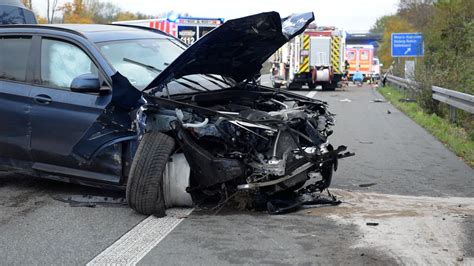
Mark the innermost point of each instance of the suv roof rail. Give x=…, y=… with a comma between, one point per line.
x=45, y=26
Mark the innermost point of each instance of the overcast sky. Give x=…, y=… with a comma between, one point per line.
x=351, y=15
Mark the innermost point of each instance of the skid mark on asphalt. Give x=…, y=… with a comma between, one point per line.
x=137, y=242
x=412, y=230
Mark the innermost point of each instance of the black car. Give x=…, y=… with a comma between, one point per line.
x=115, y=106
x=14, y=12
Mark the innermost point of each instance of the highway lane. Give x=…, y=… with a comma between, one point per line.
x=407, y=165
x=409, y=169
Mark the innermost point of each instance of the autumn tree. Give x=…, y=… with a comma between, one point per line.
x=391, y=24
x=76, y=13
x=448, y=30
x=102, y=12
x=379, y=25
x=449, y=44
x=418, y=12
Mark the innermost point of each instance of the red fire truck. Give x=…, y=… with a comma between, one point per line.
x=187, y=29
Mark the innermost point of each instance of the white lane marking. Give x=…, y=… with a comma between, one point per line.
x=141, y=239
x=311, y=94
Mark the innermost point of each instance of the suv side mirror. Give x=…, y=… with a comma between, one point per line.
x=86, y=83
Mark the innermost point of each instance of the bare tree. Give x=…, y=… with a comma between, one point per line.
x=51, y=8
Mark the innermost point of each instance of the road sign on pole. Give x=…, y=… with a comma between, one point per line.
x=407, y=45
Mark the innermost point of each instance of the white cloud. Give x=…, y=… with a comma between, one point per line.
x=351, y=15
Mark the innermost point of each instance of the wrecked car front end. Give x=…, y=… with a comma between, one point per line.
x=249, y=138
x=235, y=134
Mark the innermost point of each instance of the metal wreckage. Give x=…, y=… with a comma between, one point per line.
x=193, y=125
x=245, y=137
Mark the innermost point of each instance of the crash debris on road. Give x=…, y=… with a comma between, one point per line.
x=410, y=229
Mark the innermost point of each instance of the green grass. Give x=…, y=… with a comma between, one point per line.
x=454, y=137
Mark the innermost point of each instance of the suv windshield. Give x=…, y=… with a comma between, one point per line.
x=142, y=60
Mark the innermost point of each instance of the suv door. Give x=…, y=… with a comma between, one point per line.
x=15, y=74
x=60, y=117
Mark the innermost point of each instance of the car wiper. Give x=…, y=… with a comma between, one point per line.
x=149, y=67
x=195, y=82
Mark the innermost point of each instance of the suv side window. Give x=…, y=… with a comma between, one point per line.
x=14, y=54
x=61, y=62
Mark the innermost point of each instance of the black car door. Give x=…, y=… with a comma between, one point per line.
x=15, y=106
x=60, y=117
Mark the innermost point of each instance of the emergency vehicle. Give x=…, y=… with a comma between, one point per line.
x=187, y=29
x=316, y=57
x=361, y=59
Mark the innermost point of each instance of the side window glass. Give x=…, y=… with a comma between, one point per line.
x=61, y=62
x=14, y=53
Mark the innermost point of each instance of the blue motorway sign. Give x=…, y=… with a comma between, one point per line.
x=407, y=44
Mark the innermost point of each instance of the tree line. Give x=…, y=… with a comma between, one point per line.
x=83, y=11
x=448, y=30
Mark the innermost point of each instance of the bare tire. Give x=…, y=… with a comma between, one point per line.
x=145, y=182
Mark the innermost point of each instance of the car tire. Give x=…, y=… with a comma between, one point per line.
x=145, y=183
x=312, y=85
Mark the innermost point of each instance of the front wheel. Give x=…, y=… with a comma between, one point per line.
x=145, y=182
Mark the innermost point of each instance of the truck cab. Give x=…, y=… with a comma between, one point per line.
x=14, y=12
x=315, y=57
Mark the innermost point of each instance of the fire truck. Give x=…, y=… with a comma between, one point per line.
x=361, y=59
x=187, y=29
x=316, y=57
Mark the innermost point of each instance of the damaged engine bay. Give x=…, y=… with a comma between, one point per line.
x=249, y=138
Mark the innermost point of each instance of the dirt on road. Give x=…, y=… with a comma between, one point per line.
x=410, y=229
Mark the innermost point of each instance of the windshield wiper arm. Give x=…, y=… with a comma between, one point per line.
x=149, y=67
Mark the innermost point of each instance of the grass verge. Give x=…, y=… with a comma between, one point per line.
x=455, y=138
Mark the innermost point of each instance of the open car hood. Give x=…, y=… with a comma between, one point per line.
x=237, y=49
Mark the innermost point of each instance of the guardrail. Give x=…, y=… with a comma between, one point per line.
x=402, y=83
x=454, y=99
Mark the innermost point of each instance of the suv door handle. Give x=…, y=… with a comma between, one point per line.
x=42, y=99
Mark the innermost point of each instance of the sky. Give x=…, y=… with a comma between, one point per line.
x=350, y=15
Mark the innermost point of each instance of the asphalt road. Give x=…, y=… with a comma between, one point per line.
x=419, y=193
